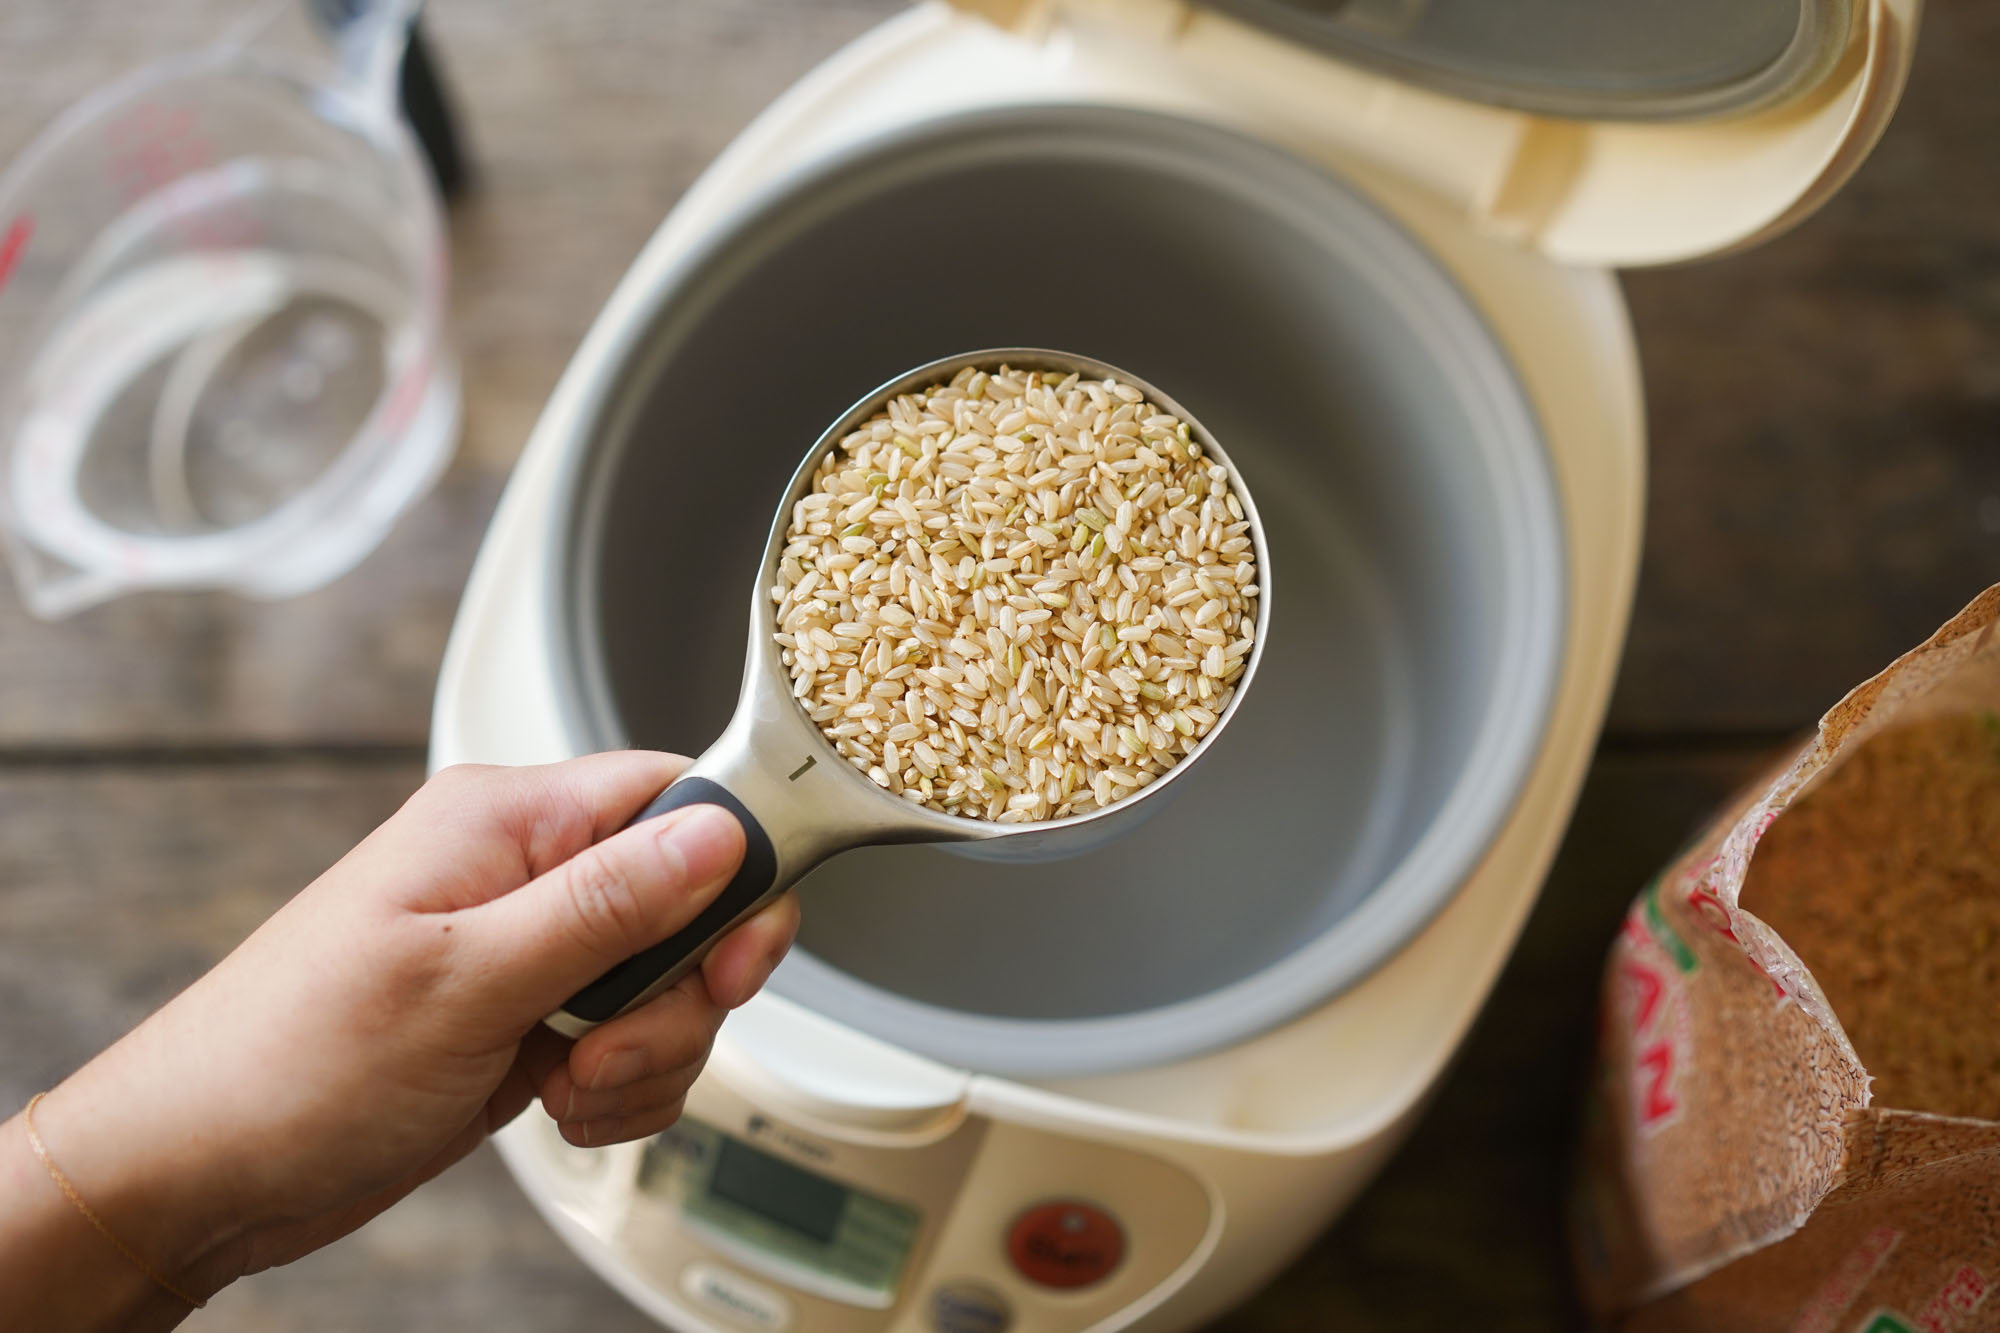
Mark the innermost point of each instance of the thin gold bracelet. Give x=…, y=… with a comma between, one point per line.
x=89, y=1215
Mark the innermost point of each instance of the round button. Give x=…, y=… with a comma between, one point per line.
x=1065, y=1244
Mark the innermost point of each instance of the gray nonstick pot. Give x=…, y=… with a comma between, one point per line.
x=800, y=802
x=1406, y=504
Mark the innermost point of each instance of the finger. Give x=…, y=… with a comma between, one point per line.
x=669, y=1032
x=541, y=1051
x=634, y=1099
x=557, y=810
x=546, y=940
x=665, y=1033
x=474, y=832
x=743, y=960
x=620, y=1129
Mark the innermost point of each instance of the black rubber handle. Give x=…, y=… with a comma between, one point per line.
x=616, y=990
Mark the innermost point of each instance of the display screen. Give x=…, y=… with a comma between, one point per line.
x=780, y=1191
x=804, y=1227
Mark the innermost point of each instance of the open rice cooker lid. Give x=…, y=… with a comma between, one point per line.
x=1595, y=59
x=1603, y=132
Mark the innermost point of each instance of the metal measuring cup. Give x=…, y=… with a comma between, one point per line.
x=800, y=801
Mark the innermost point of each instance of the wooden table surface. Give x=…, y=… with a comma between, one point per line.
x=1825, y=418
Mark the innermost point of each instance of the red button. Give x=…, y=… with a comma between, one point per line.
x=1065, y=1244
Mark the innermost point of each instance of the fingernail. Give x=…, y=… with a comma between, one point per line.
x=615, y=1071
x=709, y=842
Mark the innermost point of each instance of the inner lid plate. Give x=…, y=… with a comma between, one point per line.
x=1601, y=59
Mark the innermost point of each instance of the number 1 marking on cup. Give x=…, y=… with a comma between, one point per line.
x=800, y=771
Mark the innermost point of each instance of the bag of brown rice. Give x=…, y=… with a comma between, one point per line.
x=1795, y=1121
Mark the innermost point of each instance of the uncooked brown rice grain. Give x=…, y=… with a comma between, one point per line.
x=1016, y=597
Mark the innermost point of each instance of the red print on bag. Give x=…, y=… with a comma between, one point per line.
x=1964, y=1292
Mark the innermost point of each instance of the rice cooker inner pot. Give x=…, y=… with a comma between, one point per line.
x=1406, y=495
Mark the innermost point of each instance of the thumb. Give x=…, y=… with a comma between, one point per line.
x=557, y=933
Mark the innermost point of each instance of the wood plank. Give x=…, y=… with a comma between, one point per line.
x=120, y=888
x=585, y=122
x=1825, y=486
x=123, y=886
x=1826, y=489
x=1825, y=419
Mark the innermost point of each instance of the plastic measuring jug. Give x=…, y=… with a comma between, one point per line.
x=222, y=295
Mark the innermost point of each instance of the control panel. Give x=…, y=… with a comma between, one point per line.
x=749, y=1222
x=788, y=1220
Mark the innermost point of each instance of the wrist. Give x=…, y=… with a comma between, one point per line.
x=153, y=1182
x=56, y=1269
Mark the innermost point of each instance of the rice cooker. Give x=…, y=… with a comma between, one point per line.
x=1371, y=246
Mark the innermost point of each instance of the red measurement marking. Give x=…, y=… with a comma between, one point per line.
x=13, y=245
x=407, y=396
x=150, y=147
x=148, y=120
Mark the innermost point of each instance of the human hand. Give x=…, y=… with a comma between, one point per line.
x=387, y=1019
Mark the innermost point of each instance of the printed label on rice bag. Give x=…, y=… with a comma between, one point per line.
x=1651, y=961
x=1949, y=1311
x=1954, y=1309
x=1845, y=1284
x=1883, y=1321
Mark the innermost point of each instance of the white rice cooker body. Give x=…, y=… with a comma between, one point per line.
x=1221, y=1167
